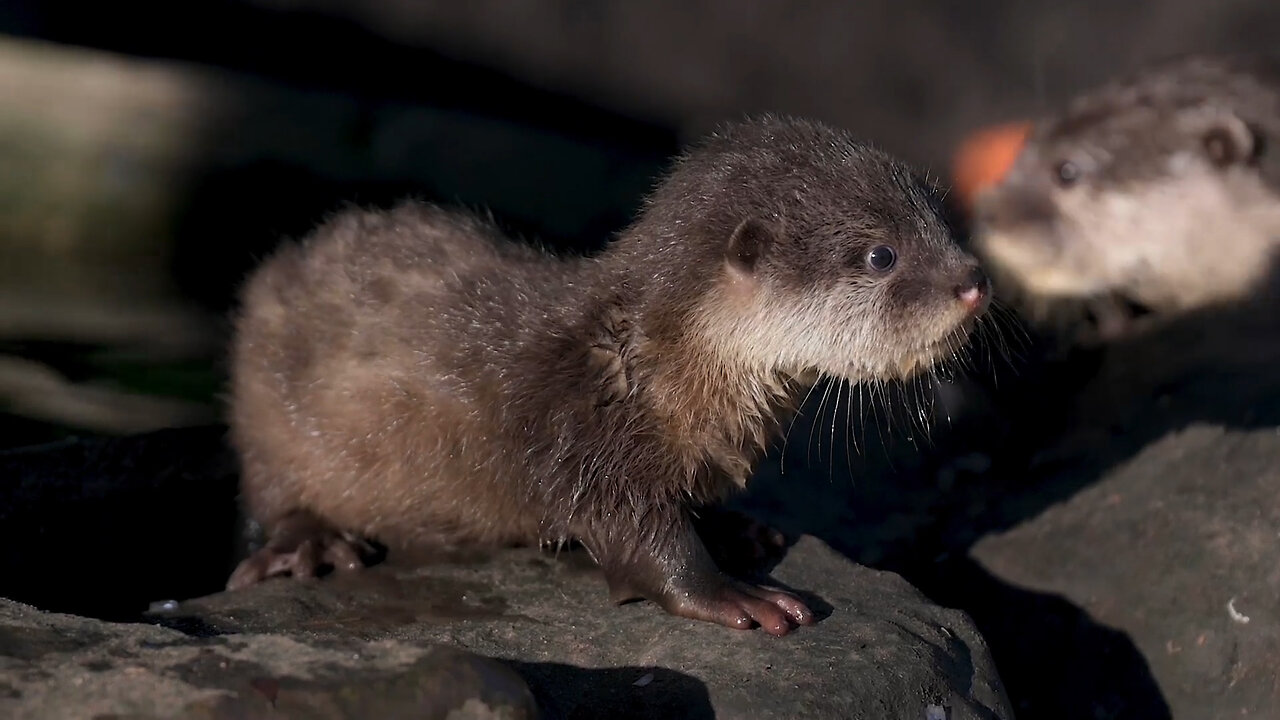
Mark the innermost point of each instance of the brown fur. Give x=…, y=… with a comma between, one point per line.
x=411, y=376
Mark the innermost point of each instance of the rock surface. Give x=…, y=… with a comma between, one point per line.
x=1176, y=548
x=882, y=651
x=62, y=666
x=380, y=643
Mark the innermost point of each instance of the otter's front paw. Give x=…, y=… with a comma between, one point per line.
x=741, y=605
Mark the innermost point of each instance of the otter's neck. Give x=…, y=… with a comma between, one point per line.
x=716, y=411
x=716, y=415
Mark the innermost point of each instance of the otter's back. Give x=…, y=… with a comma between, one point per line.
x=376, y=323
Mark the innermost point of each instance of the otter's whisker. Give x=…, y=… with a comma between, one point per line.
x=792, y=423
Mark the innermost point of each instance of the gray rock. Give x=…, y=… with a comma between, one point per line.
x=62, y=666
x=1176, y=548
x=396, y=638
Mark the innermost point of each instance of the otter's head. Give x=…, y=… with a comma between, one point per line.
x=1155, y=188
x=825, y=255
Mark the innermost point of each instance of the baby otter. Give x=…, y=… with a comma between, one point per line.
x=414, y=377
x=1159, y=191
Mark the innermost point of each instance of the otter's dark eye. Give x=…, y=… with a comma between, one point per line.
x=881, y=258
x=1066, y=173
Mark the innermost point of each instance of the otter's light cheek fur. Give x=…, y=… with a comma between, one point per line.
x=871, y=342
x=799, y=336
x=856, y=347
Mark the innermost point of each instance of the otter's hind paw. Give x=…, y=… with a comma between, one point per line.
x=301, y=546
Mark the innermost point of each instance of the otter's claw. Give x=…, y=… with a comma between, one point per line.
x=742, y=605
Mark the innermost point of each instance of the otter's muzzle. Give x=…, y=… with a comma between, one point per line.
x=975, y=290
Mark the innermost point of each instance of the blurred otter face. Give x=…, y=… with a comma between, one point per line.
x=1136, y=190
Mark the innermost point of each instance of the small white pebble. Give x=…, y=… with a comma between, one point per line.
x=1236, y=614
x=644, y=680
x=935, y=712
x=163, y=606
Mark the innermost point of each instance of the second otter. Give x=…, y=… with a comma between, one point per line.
x=1159, y=191
x=411, y=376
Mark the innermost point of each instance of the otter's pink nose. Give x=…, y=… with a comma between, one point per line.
x=974, y=290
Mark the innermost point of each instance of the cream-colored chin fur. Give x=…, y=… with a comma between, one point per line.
x=749, y=329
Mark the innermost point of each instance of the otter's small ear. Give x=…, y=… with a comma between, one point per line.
x=748, y=243
x=1227, y=140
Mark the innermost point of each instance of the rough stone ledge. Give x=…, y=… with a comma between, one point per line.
x=442, y=640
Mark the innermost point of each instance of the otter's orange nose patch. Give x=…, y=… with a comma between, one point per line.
x=984, y=157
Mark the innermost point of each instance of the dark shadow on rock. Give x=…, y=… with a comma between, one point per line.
x=1055, y=660
x=105, y=526
x=190, y=626
x=1067, y=426
x=1071, y=419
x=568, y=692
